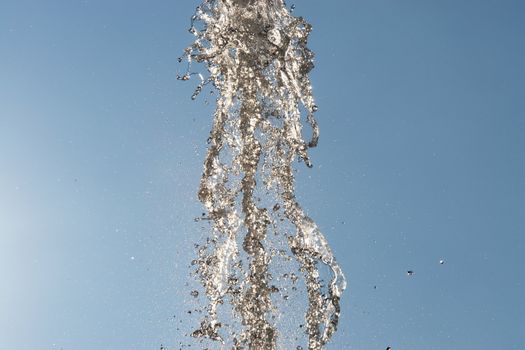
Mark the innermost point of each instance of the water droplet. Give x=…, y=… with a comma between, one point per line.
x=194, y=293
x=410, y=273
x=315, y=108
x=274, y=36
x=441, y=262
x=197, y=92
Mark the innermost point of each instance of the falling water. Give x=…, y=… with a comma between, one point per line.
x=258, y=63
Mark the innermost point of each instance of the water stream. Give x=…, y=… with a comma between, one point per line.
x=261, y=240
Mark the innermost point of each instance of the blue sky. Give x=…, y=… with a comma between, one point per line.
x=421, y=109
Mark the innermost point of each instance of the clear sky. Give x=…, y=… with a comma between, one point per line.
x=421, y=158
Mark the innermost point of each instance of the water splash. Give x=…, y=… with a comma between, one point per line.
x=258, y=61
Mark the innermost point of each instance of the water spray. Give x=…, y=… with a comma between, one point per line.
x=258, y=62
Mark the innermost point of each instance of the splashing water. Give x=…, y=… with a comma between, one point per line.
x=258, y=61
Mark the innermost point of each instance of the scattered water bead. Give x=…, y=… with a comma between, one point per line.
x=184, y=77
x=308, y=163
x=410, y=273
x=441, y=262
x=194, y=293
